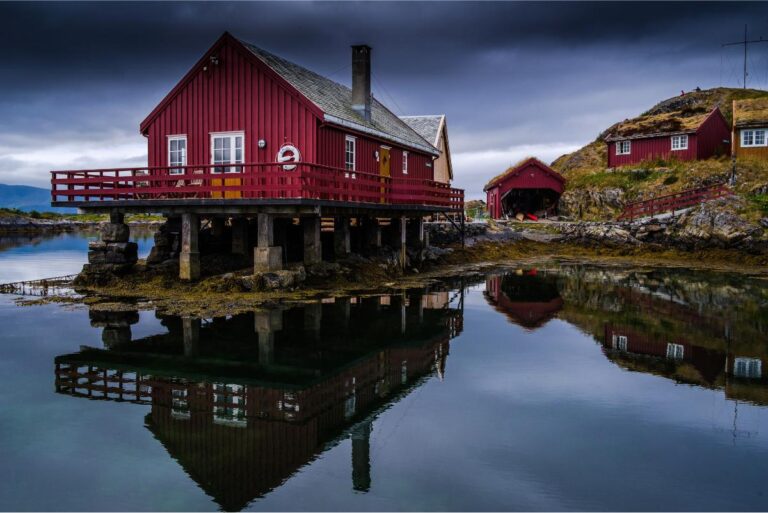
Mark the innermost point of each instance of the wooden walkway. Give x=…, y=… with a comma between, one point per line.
x=673, y=202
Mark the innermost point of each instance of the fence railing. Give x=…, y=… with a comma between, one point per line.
x=672, y=202
x=255, y=181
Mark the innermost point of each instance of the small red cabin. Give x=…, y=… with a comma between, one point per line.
x=530, y=187
x=681, y=135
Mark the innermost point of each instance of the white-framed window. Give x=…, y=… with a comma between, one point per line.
x=177, y=153
x=349, y=155
x=227, y=148
x=748, y=367
x=229, y=403
x=405, y=162
x=620, y=342
x=753, y=138
x=679, y=142
x=675, y=351
x=623, y=147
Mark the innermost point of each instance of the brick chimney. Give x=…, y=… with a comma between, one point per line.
x=361, y=80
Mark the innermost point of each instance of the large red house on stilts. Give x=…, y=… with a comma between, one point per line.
x=246, y=133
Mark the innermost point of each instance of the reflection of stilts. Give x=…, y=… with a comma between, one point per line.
x=361, y=456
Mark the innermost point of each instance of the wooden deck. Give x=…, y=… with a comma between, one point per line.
x=248, y=184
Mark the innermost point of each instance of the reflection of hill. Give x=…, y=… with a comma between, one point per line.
x=695, y=328
x=243, y=402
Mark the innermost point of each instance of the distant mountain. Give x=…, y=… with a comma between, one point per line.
x=28, y=198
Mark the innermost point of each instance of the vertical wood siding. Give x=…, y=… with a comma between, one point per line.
x=652, y=148
x=330, y=152
x=236, y=95
x=529, y=177
x=711, y=137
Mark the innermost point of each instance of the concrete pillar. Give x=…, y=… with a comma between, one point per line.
x=266, y=256
x=267, y=323
x=240, y=236
x=371, y=234
x=398, y=237
x=191, y=332
x=217, y=227
x=313, y=250
x=341, y=237
x=361, y=457
x=189, y=258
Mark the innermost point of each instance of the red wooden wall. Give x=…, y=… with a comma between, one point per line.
x=529, y=176
x=330, y=152
x=652, y=148
x=236, y=95
x=240, y=95
x=705, y=143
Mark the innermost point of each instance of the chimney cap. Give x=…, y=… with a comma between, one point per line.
x=361, y=46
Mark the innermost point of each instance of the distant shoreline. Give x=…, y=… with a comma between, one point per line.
x=23, y=223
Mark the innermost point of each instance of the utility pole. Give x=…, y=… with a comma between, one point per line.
x=746, y=44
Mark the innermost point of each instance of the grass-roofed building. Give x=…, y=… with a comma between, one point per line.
x=684, y=133
x=750, y=128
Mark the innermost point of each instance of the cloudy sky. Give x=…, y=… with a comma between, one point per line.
x=515, y=79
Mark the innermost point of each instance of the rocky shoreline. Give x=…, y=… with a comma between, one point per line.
x=14, y=224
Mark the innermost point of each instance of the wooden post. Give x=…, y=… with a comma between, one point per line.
x=191, y=333
x=371, y=234
x=341, y=237
x=189, y=258
x=313, y=250
x=361, y=457
x=266, y=256
x=240, y=236
x=398, y=238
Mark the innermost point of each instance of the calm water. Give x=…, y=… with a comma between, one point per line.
x=539, y=389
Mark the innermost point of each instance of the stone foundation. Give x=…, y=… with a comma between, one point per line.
x=113, y=253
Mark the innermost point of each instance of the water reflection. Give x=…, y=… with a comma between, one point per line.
x=696, y=329
x=242, y=402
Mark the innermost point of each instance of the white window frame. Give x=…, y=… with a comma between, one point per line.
x=682, y=142
x=747, y=367
x=350, y=165
x=675, y=351
x=620, y=342
x=232, y=136
x=620, y=146
x=752, y=133
x=405, y=162
x=177, y=171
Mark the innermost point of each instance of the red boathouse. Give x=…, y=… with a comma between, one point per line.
x=249, y=137
x=530, y=187
x=685, y=134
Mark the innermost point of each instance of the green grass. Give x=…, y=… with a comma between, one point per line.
x=85, y=218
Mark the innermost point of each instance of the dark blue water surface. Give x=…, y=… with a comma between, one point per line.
x=550, y=388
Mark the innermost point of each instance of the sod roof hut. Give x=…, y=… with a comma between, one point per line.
x=684, y=134
x=530, y=187
x=750, y=128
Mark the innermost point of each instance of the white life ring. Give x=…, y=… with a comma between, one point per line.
x=288, y=153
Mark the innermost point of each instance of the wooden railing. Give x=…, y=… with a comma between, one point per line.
x=672, y=202
x=254, y=181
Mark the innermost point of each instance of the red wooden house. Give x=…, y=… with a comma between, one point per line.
x=245, y=132
x=529, y=187
x=681, y=135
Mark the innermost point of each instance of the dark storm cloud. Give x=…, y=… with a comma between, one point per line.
x=514, y=78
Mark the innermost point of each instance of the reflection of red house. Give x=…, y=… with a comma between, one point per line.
x=527, y=305
x=708, y=362
x=238, y=442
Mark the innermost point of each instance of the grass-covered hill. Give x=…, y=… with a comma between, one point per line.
x=587, y=175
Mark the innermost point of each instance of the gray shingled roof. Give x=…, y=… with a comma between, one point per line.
x=426, y=126
x=335, y=100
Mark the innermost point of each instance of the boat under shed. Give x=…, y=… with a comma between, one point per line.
x=530, y=189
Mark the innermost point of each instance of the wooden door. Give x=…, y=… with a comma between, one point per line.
x=384, y=170
x=227, y=149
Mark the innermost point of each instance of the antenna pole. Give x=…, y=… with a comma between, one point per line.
x=746, y=43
